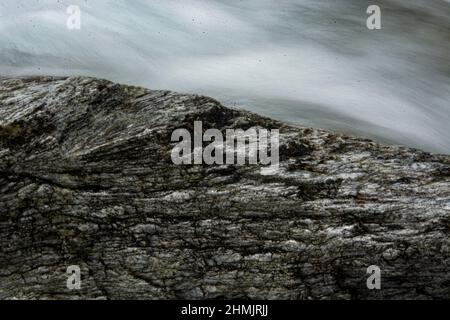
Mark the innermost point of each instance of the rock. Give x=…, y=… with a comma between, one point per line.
x=87, y=180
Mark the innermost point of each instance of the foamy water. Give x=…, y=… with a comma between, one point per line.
x=306, y=62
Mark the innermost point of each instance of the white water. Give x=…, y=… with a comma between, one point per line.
x=310, y=62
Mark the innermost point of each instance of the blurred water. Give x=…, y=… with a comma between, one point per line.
x=310, y=62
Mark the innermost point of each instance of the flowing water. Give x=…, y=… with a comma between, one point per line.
x=308, y=62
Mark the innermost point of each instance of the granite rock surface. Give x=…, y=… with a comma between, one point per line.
x=86, y=179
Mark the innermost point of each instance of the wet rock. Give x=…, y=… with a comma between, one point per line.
x=87, y=180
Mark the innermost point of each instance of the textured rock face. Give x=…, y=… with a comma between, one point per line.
x=87, y=179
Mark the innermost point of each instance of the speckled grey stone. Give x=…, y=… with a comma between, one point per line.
x=87, y=179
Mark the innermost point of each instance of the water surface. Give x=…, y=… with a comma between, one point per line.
x=308, y=62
